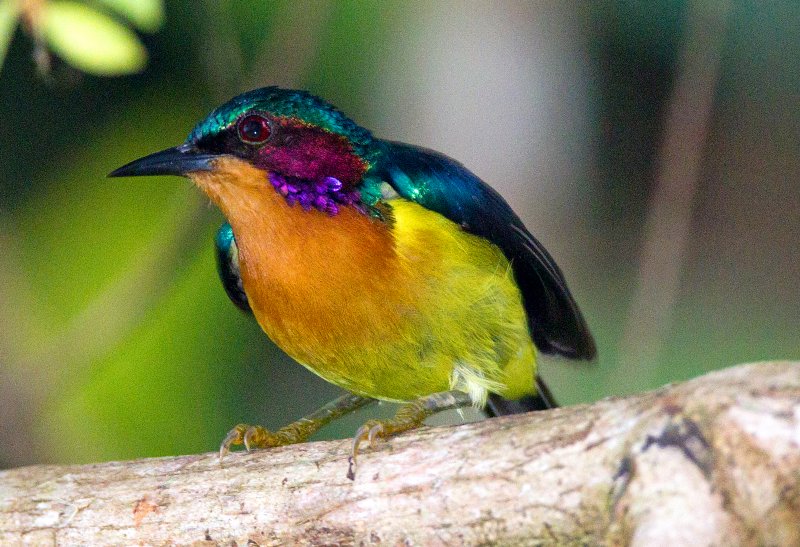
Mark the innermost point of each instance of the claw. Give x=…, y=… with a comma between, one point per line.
x=233, y=438
x=370, y=432
x=362, y=435
x=248, y=437
x=374, y=432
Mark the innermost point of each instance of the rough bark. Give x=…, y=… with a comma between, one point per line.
x=713, y=461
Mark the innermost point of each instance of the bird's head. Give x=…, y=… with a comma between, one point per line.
x=290, y=140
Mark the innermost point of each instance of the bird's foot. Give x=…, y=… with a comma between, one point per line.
x=255, y=436
x=408, y=417
x=373, y=430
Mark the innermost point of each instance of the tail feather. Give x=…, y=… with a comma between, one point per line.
x=543, y=400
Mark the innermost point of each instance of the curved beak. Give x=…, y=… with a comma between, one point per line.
x=179, y=160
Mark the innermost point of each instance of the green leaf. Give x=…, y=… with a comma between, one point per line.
x=91, y=41
x=147, y=15
x=9, y=13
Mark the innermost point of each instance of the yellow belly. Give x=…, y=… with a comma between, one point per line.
x=393, y=312
x=466, y=328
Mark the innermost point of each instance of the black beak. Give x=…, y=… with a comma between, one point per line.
x=178, y=160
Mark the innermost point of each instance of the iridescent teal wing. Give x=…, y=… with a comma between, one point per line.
x=443, y=185
x=228, y=266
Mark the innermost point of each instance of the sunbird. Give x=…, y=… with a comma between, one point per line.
x=388, y=269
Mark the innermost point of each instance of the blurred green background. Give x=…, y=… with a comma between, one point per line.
x=653, y=147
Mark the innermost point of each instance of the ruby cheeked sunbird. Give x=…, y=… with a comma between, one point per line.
x=387, y=269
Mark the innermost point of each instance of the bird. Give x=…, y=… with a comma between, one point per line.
x=387, y=269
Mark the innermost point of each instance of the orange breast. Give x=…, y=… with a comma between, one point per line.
x=317, y=284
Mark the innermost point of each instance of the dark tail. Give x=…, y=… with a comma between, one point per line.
x=543, y=400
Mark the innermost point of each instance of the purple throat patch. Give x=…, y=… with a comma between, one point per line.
x=326, y=195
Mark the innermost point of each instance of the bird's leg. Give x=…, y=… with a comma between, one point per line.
x=409, y=416
x=255, y=436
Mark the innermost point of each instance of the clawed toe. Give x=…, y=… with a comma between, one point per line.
x=251, y=436
x=370, y=432
x=234, y=437
x=375, y=431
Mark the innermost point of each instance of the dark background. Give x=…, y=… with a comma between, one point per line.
x=653, y=147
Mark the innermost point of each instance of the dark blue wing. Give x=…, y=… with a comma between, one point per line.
x=228, y=266
x=443, y=185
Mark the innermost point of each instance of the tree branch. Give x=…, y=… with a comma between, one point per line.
x=715, y=460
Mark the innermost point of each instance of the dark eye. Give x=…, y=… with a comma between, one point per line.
x=254, y=129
